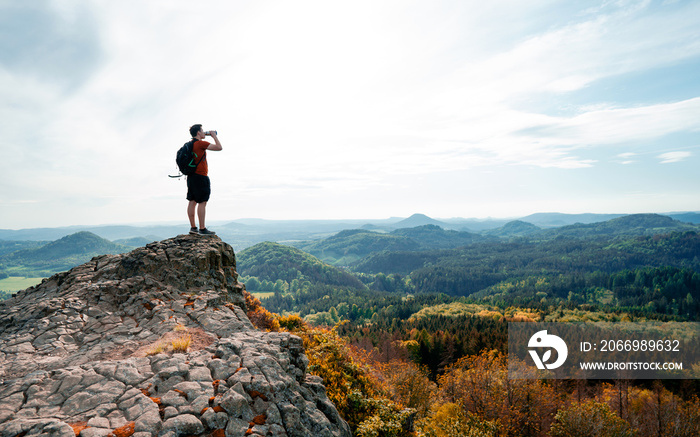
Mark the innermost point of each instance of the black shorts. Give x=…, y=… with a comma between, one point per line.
x=198, y=188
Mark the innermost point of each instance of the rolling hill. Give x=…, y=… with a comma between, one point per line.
x=60, y=255
x=349, y=246
x=435, y=237
x=273, y=261
x=516, y=228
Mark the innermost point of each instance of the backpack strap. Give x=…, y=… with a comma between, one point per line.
x=204, y=155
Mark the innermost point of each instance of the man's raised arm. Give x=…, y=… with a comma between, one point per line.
x=217, y=144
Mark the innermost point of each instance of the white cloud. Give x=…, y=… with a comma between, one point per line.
x=671, y=157
x=619, y=125
x=626, y=158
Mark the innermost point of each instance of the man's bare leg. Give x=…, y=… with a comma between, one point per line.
x=190, y=213
x=201, y=212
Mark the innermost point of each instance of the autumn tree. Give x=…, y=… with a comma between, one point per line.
x=590, y=419
x=360, y=398
x=450, y=420
x=660, y=413
x=409, y=384
x=480, y=385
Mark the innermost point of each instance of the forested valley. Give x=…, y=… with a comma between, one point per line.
x=431, y=323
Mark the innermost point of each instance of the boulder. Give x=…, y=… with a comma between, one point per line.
x=154, y=342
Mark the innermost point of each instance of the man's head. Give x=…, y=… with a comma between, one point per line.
x=194, y=130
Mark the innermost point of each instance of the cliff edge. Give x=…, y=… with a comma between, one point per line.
x=155, y=342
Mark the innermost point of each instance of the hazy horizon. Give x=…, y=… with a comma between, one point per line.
x=367, y=220
x=349, y=108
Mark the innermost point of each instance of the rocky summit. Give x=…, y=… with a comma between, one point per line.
x=155, y=342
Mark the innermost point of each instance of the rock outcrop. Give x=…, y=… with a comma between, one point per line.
x=80, y=354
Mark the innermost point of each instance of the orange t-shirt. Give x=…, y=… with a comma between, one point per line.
x=199, y=150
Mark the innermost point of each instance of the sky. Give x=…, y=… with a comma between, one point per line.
x=348, y=109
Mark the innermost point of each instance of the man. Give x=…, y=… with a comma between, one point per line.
x=198, y=185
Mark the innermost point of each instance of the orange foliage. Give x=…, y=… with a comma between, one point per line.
x=409, y=384
x=520, y=318
x=488, y=313
x=78, y=427
x=475, y=392
x=256, y=394
x=522, y=315
x=346, y=373
x=218, y=433
x=660, y=412
x=258, y=420
x=259, y=316
x=125, y=431
x=480, y=384
x=590, y=419
x=358, y=395
x=291, y=322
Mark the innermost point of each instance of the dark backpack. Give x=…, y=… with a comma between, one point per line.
x=185, y=159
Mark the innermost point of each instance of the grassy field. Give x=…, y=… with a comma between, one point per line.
x=262, y=294
x=16, y=283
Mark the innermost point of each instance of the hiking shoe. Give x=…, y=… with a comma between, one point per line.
x=194, y=230
x=206, y=231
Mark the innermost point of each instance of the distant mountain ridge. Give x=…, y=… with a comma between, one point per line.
x=420, y=220
x=353, y=247
x=686, y=217
x=555, y=219
x=244, y=233
x=630, y=225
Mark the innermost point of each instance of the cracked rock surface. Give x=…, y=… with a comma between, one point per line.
x=79, y=353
